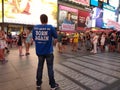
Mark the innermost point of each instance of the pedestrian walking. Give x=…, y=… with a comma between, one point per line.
x=2, y=47
x=19, y=43
x=28, y=41
x=75, y=42
x=59, y=43
x=95, y=41
x=102, y=41
x=43, y=35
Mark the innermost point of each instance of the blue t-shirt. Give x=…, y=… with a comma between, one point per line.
x=43, y=36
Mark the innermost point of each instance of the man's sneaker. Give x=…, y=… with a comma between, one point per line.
x=56, y=86
x=38, y=86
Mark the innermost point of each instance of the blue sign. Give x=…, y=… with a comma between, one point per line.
x=109, y=7
x=94, y=2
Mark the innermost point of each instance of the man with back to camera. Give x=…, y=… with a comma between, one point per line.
x=43, y=36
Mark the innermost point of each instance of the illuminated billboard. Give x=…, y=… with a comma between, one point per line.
x=83, y=20
x=102, y=17
x=29, y=11
x=97, y=17
x=67, y=18
x=108, y=15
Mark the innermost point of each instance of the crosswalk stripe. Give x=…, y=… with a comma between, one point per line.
x=81, y=78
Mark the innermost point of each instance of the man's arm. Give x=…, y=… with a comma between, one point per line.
x=33, y=34
x=55, y=41
x=54, y=33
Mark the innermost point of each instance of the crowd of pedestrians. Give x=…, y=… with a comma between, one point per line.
x=92, y=41
x=8, y=41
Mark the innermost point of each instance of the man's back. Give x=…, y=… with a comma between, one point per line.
x=43, y=35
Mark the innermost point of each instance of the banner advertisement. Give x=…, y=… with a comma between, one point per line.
x=67, y=18
x=29, y=11
x=84, y=20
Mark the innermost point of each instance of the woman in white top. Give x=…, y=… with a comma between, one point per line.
x=102, y=41
x=94, y=41
x=28, y=40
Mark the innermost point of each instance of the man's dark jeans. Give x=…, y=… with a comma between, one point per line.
x=49, y=60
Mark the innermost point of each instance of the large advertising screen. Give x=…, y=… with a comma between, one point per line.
x=97, y=17
x=67, y=18
x=29, y=11
x=108, y=14
x=102, y=16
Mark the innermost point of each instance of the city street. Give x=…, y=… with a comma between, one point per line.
x=73, y=71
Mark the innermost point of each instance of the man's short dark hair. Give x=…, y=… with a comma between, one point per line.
x=44, y=18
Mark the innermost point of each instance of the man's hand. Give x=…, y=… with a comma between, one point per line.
x=55, y=41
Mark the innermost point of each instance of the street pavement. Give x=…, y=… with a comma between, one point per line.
x=73, y=71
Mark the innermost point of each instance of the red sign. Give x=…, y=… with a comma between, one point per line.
x=82, y=15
